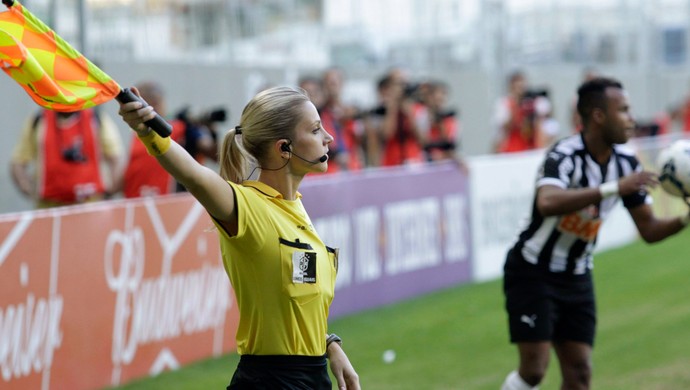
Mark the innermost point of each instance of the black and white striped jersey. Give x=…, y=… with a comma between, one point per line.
x=564, y=244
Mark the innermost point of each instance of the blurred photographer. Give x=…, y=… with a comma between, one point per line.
x=392, y=134
x=342, y=122
x=197, y=134
x=203, y=143
x=438, y=125
x=67, y=158
x=520, y=117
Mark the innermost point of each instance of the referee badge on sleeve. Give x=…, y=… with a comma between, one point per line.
x=303, y=267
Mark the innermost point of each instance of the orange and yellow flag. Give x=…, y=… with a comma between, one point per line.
x=53, y=73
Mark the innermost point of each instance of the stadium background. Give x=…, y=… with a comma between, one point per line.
x=219, y=53
x=212, y=53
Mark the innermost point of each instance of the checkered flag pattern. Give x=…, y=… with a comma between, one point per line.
x=54, y=74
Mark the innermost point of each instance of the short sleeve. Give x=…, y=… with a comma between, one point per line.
x=556, y=170
x=251, y=217
x=640, y=197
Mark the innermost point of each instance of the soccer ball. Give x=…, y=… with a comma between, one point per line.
x=674, y=168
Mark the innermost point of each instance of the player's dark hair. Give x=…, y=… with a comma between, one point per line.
x=592, y=95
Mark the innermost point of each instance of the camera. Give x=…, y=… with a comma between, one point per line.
x=647, y=129
x=535, y=93
x=206, y=118
x=410, y=90
x=75, y=152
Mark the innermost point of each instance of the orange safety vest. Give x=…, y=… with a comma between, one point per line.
x=518, y=139
x=344, y=139
x=144, y=176
x=70, y=159
x=402, y=147
x=450, y=125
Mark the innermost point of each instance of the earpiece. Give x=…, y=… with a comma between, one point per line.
x=286, y=148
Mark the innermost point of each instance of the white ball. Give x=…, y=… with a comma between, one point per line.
x=388, y=356
x=674, y=168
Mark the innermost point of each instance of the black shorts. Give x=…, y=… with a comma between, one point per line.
x=542, y=309
x=281, y=372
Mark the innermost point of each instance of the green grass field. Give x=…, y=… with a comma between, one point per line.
x=457, y=338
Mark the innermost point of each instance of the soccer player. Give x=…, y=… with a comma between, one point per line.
x=548, y=272
x=282, y=273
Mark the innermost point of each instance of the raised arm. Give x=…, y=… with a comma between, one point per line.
x=205, y=185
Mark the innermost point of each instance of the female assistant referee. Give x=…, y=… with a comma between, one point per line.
x=282, y=273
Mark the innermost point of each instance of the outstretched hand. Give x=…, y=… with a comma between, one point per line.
x=136, y=113
x=638, y=181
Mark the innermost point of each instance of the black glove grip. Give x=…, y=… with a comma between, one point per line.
x=157, y=124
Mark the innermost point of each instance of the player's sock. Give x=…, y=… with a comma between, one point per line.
x=515, y=382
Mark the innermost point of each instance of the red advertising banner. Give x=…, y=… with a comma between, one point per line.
x=98, y=295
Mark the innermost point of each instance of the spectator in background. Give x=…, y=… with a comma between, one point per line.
x=509, y=118
x=392, y=124
x=684, y=115
x=519, y=117
x=314, y=88
x=550, y=128
x=75, y=157
x=372, y=124
x=340, y=120
x=143, y=175
x=438, y=125
x=660, y=124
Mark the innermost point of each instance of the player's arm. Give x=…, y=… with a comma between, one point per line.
x=204, y=184
x=653, y=229
x=553, y=200
x=554, y=197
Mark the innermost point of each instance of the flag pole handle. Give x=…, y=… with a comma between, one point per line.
x=158, y=124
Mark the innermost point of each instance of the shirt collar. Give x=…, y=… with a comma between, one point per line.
x=266, y=189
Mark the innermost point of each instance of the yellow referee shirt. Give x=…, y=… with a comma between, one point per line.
x=282, y=274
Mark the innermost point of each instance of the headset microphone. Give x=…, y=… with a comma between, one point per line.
x=286, y=148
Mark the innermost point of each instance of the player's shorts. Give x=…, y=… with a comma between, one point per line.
x=548, y=310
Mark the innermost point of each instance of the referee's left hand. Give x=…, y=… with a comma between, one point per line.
x=342, y=369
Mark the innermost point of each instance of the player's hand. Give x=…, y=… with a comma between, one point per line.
x=638, y=181
x=342, y=369
x=136, y=113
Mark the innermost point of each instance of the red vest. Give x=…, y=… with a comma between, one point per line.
x=402, y=147
x=344, y=139
x=144, y=176
x=70, y=159
x=518, y=138
x=450, y=125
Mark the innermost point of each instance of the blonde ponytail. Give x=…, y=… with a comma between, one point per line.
x=234, y=159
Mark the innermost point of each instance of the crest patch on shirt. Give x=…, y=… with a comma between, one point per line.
x=303, y=267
